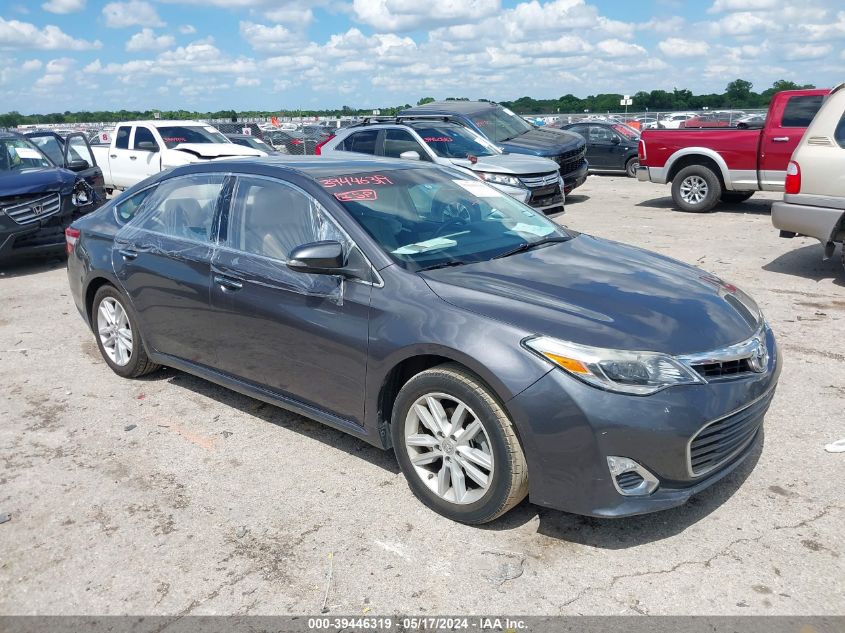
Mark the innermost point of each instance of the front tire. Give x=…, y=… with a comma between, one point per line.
x=118, y=338
x=457, y=447
x=696, y=189
x=734, y=197
x=631, y=167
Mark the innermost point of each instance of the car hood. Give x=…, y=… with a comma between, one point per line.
x=605, y=294
x=544, y=141
x=518, y=164
x=217, y=150
x=47, y=180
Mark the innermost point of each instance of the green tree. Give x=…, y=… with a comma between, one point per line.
x=425, y=100
x=738, y=91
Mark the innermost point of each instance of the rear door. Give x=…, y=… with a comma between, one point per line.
x=162, y=257
x=786, y=123
x=121, y=159
x=147, y=152
x=364, y=142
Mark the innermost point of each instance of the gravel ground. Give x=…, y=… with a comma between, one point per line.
x=171, y=495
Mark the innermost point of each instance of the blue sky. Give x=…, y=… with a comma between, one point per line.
x=58, y=55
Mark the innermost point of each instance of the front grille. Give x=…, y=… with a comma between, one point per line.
x=572, y=160
x=719, y=441
x=725, y=369
x=29, y=209
x=535, y=181
x=629, y=480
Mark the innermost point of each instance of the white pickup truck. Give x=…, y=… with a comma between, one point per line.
x=140, y=149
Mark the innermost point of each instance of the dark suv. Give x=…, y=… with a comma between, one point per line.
x=514, y=134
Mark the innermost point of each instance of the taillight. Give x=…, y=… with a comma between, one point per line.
x=71, y=238
x=641, y=150
x=793, y=178
x=317, y=150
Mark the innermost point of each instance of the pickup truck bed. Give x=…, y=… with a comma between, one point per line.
x=728, y=164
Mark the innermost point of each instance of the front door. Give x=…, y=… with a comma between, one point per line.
x=162, y=258
x=303, y=336
x=781, y=136
x=77, y=149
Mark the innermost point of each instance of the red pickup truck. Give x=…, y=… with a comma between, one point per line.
x=728, y=164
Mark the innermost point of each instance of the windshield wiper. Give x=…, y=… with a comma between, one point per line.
x=451, y=262
x=529, y=245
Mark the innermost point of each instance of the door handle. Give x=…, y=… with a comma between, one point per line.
x=133, y=158
x=780, y=139
x=128, y=253
x=228, y=283
x=112, y=155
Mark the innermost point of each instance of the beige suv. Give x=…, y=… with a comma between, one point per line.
x=814, y=199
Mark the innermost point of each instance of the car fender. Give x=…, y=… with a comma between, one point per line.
x=700, y=151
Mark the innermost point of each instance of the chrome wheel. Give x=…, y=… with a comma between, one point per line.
x=115, y=331
x=693, y=189
x=449, y=448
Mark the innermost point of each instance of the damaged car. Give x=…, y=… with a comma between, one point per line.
x=39, y=199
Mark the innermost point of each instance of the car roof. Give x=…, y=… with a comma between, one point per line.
x=166, y=123
x=311, y=166
x=461, y=107
x=402, y=124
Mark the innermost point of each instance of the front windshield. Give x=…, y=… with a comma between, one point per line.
x=175, y=135
x=453, y=141
x=500, y=124
x=16, y=154
x=628, y=132
x=428, y=218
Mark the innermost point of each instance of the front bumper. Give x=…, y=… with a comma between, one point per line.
x=42, y=237
x=568, y=430
x=817, y=222
x=574, y=177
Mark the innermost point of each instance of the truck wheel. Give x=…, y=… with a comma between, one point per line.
x=631, y=167
x=696, y=189
x=736, y=196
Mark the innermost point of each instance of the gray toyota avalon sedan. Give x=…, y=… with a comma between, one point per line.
x=497, y=353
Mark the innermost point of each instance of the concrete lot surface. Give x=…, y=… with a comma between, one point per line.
x=216, y=503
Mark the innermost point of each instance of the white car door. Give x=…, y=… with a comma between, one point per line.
x=119, y=159
x=147, y=152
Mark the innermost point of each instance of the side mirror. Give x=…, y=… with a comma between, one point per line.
x=411, y=155
x=78, y=165
x=318, y=258
x=147, y=146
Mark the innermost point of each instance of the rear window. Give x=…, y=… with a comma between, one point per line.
x=839, y=134
x=800, y=111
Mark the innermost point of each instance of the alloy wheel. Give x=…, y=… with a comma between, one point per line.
x=449, y=448
x=115, y=331
x=693, y=189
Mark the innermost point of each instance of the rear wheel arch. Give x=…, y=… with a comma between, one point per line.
x=90, y=292
x=696, y=159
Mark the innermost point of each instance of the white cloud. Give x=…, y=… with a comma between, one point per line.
x=147, y=40
x=63, y=6
x=679, y=47
x=249, y=82
x=618, y=48
x=407, y=15
x=187, y=29
x=31, y=65
x=122, y=14
x=292, y=15
x=269, y=38
x=23, y=35
x=49, y=80
x=60, y=66
x=806, y=52
x=720, y=6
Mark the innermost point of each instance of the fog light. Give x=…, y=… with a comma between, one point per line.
x=629, y=478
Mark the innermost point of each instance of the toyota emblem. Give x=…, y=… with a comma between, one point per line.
x=759, y=359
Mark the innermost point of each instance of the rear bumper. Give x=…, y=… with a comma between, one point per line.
x=818, y=222
x=651, y=174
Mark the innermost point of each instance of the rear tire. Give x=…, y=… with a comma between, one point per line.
x=735, y=197
x=116, y=332
x=464, y=461
x=631, y=167
x=696, y=189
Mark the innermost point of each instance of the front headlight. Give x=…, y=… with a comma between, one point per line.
x=637, y=373
x=500, y=179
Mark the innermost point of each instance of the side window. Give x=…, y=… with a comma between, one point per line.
x=363, y=142
x=122, y=137
x=184, y=207
x=800, y=111
x=144, y=135
x=125, y=210
x=600, y=134
x=839, y=133
x=50, y=146
x=78, y=150
x=270, y=219
x=398, y=141
x=580, y=129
